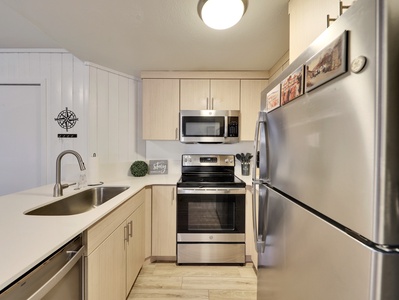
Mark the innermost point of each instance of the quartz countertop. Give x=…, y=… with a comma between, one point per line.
x=27, y=240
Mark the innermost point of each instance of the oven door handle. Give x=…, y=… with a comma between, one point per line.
x=210, y=191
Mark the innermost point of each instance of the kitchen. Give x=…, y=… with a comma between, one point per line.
x=100, y=135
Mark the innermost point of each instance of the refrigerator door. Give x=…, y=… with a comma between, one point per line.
x=307, y=258
x=336, y=147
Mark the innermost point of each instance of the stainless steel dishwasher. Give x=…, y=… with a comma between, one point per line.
x=60, y=276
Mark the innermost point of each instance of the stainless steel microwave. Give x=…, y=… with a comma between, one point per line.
x=209, y=126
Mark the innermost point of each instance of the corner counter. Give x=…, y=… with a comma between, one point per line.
x=27, y=240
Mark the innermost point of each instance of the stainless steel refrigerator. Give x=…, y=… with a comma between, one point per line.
x=326, y=181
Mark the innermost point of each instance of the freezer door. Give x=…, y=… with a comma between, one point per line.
x=307, y=258
x=336, y=147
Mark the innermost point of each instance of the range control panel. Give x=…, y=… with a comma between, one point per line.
x=207, y=160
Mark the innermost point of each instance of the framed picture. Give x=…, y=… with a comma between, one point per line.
x=327, y=64
x=292, y=86
x=273, y=98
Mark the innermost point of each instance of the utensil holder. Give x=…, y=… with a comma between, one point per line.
x=245, y=167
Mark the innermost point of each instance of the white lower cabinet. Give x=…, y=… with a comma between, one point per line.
x=116, y=250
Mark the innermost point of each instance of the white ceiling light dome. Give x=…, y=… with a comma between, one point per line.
x=221, y=14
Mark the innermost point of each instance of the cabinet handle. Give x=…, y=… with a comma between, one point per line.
x=126, y=233
x=207, y=103
x=177, y=134
x=130, y=228
x=173, y=194
x=212, y=103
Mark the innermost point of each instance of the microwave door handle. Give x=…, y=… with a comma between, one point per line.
x=226, y=120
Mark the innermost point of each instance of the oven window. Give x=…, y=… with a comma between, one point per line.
x=211, y=215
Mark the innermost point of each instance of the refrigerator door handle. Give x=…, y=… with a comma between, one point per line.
x=260, y=171
x=256, y=154
x=260, y=223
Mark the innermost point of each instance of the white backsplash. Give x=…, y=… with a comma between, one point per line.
x=173, y=150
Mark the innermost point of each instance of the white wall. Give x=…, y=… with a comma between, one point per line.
x=106, y=103
x=115, y=126
x=173, y=150
x=64, y=81
x=109, y=109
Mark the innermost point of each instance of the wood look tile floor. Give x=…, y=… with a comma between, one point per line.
x=169, y=281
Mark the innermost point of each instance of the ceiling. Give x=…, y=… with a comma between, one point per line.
x=131, y=36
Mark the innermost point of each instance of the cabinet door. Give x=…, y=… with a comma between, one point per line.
x=160, y=109
x=194, y=94
x=250, y=107
x=308, y=19
x=164, y=221
x=135, y=245
x=106, y=268
x=225, y=94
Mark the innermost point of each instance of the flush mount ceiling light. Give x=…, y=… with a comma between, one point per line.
x=221, y=14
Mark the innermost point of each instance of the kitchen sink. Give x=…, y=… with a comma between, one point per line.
x=80, y=202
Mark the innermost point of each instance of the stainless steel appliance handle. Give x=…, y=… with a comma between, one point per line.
x=40, y=293
x=226, y=126
x=204, y=190
x=256, y=155
x=260, y=223
x=261, y=147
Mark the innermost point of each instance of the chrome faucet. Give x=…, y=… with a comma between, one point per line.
x=58, y=187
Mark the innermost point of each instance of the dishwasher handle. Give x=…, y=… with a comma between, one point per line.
x=74, y=257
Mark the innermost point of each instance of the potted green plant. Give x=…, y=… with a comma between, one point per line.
x=139, y=168
x=245, y=162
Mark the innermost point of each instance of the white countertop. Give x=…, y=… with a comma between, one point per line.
x=27, y=240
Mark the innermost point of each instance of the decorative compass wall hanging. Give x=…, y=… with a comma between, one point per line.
x=66, y=119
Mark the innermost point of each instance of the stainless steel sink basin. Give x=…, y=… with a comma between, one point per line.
x=80, y=202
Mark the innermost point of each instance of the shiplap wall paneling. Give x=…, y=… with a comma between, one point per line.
x=63, y=78
x=113, y=116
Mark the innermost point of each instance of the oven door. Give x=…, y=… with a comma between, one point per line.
x=211, y=213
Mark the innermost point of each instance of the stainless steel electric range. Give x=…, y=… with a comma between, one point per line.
x=210, y=211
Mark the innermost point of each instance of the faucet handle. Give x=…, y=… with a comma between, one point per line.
x=66, y=185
